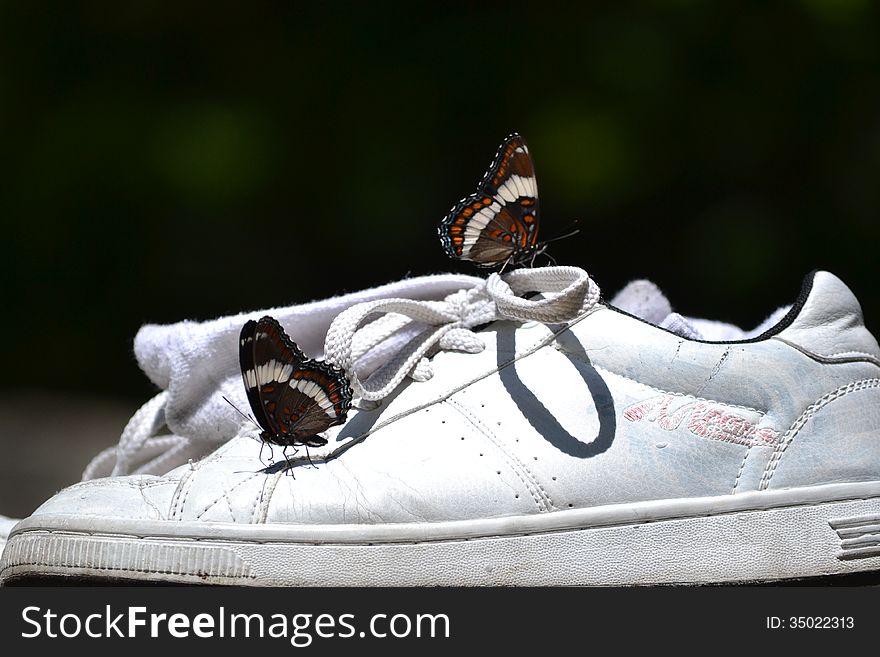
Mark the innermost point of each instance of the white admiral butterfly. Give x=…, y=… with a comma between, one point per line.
x=497, y=225
x=293, y=397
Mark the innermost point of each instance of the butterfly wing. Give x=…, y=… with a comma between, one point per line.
x=293, y=397
x=316, y=398
x=500, y=220
x=247, y=346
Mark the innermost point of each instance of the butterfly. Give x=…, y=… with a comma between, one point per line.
x=498, y=224
x=293, y=397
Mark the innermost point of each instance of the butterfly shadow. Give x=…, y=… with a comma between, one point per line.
x=281, y=465
x=287, y=461
x=355, y=430
x=542, y=420
x=361, y=425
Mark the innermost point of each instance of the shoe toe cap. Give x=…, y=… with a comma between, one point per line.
x=141, y=496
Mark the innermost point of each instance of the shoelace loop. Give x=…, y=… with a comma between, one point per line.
x=564, y=293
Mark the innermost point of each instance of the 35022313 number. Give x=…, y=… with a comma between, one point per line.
x=821, y=622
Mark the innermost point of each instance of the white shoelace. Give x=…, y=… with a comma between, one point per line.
x=566, y=292
x=140, y=450
x=379, y=343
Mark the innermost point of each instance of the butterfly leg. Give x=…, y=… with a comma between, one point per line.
x=286, y=458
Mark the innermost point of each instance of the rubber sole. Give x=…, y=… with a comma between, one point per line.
x=770, y=536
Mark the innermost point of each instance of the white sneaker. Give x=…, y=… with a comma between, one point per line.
x=511, y=441
x=147, y=447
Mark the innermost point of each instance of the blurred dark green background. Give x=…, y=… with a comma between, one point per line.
x=163, y=161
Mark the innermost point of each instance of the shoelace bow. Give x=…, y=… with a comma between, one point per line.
x=379, y=343
x=565, y=293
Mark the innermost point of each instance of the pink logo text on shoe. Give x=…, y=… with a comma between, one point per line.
x=704, y=419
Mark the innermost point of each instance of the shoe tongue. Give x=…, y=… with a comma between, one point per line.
x=644, y=300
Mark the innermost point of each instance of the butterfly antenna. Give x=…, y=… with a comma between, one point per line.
x=246, y=417
x=504, y=266
x=570, y=231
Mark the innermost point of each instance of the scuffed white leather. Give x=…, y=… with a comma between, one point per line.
x=136, y=496
x=536, y=424
x=831, y=324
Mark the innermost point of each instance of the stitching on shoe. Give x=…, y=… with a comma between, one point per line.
x=150, y=503
x=840, y=354
x=257, y=500
x=225, y=494
x=266, y=496
x=116, y=482
x=187, y=482
x=837, y=357
x=228, y=502
x=184, y=483
x=542, y=500
x=511, y=459
x=157, y=484
x=742, y=467
x=808, y=413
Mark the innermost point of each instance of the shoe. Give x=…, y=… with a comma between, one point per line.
x=547, y=440
x=148, y=447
